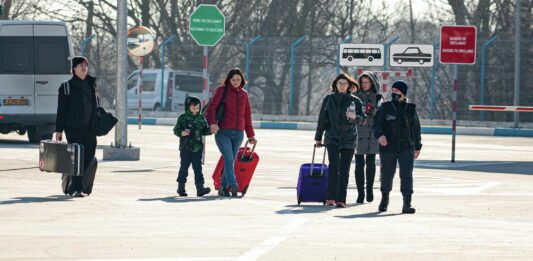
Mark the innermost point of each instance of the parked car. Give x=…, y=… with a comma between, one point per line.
x=412, y=54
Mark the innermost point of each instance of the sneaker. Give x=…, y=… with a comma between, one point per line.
x=340, y=204
x=234, y=189
x=78, y=194
x=223, y=192
x=330, y=202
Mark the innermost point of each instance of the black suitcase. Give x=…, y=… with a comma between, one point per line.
x=87, y=179
x=61, y=157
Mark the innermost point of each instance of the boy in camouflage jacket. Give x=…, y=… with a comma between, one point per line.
x=190, y=127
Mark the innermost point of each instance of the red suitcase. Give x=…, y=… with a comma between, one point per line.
x=245, y=166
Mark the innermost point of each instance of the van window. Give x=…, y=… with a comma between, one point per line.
x=132, y=81
x=149, y=82
x=51, y=55
x=188, y=83
x=16, y=55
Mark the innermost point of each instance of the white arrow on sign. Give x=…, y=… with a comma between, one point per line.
x=361, y=55
x=411, y=55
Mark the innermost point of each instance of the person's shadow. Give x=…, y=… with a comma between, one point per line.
x=304, y=209
x=176, y=199
x=19, y=200
x=376, y=214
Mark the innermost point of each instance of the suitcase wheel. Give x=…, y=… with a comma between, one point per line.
x=299, y=200
x=244, y=190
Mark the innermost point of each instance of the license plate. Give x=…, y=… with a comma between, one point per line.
x=11, y=102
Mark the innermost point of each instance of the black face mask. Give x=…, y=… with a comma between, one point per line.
x=395, y=97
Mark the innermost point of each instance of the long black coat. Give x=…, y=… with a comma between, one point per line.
x=76, y=110
x=332, y=120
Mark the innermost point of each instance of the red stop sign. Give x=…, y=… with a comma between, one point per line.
x=458, y=44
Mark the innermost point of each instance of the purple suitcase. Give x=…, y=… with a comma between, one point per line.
x=313, y=185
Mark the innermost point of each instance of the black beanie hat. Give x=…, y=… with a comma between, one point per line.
x=77, y=60
x=401, y=86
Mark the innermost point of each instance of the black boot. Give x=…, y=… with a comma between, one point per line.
x=384, y=202
x=407, y=209
x=360, y=196
x=201, y=190
x=181, y=189
x=369, y=193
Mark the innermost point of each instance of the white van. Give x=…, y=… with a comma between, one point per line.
x=169, y=95
x=34, y=60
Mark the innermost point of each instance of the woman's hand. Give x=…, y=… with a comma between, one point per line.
x=351, y=115
x=417, y=153
x=59, y=136
x=318, y=144
x=252, y=140
x=214, y=128
x=382, y=140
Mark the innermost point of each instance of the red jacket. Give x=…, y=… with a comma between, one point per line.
x=237, y=111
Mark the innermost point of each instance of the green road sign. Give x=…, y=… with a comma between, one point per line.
x=207, y=25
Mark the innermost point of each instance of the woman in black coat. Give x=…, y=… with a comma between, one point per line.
x=339, y=113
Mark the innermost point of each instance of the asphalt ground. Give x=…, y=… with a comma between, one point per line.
x=478, y=208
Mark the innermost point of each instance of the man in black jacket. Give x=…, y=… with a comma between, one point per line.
x=398, y=128
x=76, y=115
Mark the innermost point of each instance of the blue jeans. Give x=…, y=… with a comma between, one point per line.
x=228, y=142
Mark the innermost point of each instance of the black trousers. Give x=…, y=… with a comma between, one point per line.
x=339, y=169
x=87, y=138
x=187, y=158
x=388, y=169
x=360, y=171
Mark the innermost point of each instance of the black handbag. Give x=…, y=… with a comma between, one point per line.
x=105, y=121
x=219, y=114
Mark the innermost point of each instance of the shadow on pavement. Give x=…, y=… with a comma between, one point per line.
x=303, y=209
x=370, y=215
x=500, y=167
x=36, y=199
x=177, y=199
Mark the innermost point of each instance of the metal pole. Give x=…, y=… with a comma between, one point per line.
x=482, y=95
x=247, y=67
x=345, y=40
x=205, y=90
x=516, y=100
x=293, y=46
x=121, y=135
x=84, y=43
x=162, y=46
x=454, y=110
x=385, y=50
x=433, y=76
x=140, y=89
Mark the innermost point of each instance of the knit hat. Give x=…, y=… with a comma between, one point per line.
x=77, y=60
x=401, y=86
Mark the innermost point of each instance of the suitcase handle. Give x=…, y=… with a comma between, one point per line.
x=313, y=162
x=245, y=148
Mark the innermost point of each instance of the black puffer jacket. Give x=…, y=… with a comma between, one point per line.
x=76, y=109
x=399, y=122
x=332, y=119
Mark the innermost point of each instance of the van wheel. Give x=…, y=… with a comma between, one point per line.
x=157, y=107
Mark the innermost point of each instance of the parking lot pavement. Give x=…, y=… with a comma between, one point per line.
x=475, y=209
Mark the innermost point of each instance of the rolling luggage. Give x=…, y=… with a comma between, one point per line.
x=87, y=179
x=61, y=157
x=245, y=165
x=313, y=181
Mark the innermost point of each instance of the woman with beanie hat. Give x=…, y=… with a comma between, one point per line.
x=398, y=130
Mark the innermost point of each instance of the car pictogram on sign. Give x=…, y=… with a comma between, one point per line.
x=412, y=54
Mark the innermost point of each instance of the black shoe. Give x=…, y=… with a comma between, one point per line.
x=384, y=202
x=223, y=192
x=78, y=194
x=407, y=209
x=360, y=197
x=369, y=195
x=200, y=191
x=181, y=189
x=234, y=189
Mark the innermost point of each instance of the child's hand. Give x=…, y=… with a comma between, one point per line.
x=185, y=133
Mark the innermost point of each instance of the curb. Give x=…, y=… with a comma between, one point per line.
x=504, y=132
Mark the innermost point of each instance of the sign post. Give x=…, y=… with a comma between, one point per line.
x=457, y=46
